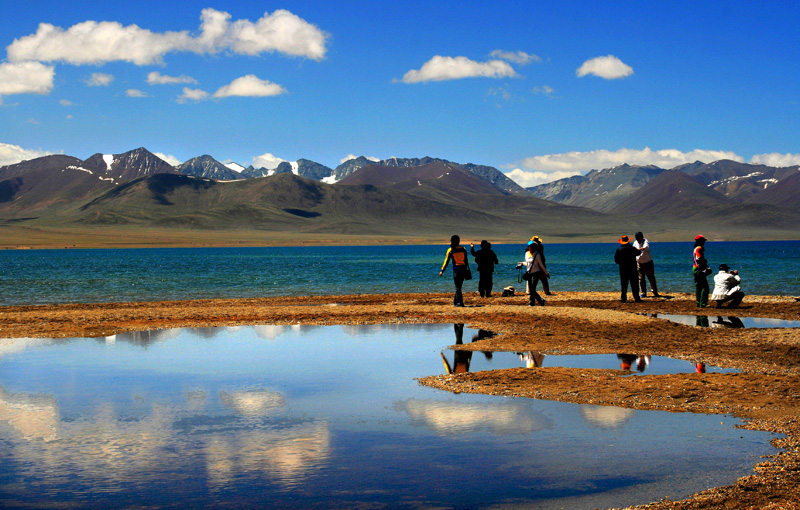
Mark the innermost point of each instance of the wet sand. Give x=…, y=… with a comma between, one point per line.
x=766, y=392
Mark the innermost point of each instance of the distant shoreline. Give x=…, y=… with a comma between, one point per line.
x=13, y=238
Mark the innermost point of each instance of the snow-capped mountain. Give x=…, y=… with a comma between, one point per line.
x=128, y=165
x=490, y=174
x=208, y=167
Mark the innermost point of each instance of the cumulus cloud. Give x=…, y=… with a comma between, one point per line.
x=267, y=160
x=25, y=78
x=454, y=68
x=156, y=78
x=608, y=67
x=540, y=169
x=518, y=57
x=99, y=80
x=135, y=93
x=12, y=154
x=250, y=86
x=93, y=42
x=65, y=102
x=776, y=159
x=192, y=95
x=527, y=178
x=169, y=158
x=281, y=31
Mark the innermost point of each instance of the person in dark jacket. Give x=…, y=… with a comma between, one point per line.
x=545, y=276
x=625, y=257
x=486, y=259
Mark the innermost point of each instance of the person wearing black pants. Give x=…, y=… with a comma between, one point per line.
x=485, y=258
x=625, y=257
x=458, y=254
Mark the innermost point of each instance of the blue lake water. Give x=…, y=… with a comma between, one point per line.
x=104, y=275
x=323, y=417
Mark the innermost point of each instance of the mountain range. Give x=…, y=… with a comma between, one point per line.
x=399, y=198
x=604, y=190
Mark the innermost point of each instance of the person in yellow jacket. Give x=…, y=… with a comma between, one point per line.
x=458, y=254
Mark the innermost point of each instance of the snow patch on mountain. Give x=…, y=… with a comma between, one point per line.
x=331, y=179
x=735, y=178
x=73, y=167
x=236, y=167
x=295, y=167
x=109, y=159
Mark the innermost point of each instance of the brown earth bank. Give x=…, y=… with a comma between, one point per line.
x=765, y=392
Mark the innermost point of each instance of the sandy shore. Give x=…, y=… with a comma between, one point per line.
x=766, y=392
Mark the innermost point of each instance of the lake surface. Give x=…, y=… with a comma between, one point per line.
x=90, y=276
x=323, y=417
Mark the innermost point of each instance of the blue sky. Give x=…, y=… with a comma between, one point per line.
x=540, y=90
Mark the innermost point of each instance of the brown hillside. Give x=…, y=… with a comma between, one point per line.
x=785, y=193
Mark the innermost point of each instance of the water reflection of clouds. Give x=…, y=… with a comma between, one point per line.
x=144, y=338
x=32, y=416
x=271, y=332
x=15, y=345
x=606, y=417
x=452, y=418
x=107, y=450
x=287, y=454
x=253, y=402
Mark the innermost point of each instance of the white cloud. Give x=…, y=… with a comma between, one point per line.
x=518, y=57
x=608, y=67
x=192, y=95
x=65, y=102
x=454, y=68
x=551, y=167
x=25, y=78
x=544, y=89
x=169, y=158
x=281, y=31
x=353, y=156
x=92, y=42
x=156, y=78
x=527, y=179
x=99, y=80
x=267, y=160
x=776, y=159
x=135, y=93
x=11, y=154
x=250, y=86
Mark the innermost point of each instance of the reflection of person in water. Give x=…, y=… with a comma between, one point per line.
x=642, y=362
x=700, y=368
x=732, y=322
x=626, y=360
x=702, y=321
x=461, y=359
x=531, y=359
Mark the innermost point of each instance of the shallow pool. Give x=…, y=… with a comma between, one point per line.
x=724, y=320
x=323, y=417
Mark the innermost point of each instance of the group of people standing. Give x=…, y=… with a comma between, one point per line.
x=636, y=269
x=486, y=259
x=636, y=263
